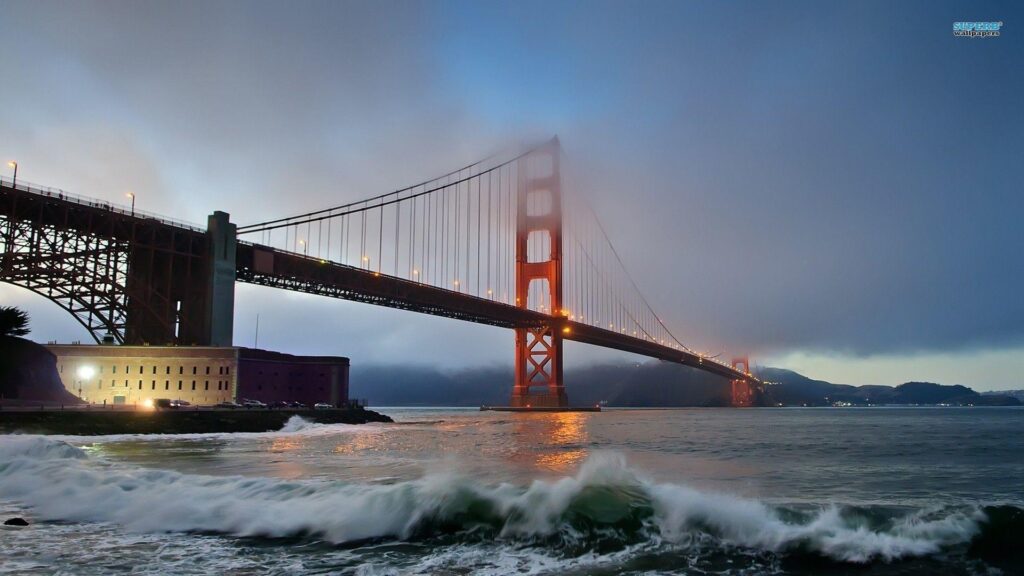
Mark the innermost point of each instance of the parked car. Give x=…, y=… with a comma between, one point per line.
x=230, y=405
x=253, y=404
x=297, y=405
x=162, y=403
x=180, y=403
x=280, y=404
x=322, y=406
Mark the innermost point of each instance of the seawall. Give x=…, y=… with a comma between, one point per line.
x=99, y=422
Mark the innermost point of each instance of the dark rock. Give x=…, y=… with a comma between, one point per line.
x=28, y=374
x=16, y=522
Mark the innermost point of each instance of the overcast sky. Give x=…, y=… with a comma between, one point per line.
x=830, y=187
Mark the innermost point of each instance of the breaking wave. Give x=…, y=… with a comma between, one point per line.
x=605, y=507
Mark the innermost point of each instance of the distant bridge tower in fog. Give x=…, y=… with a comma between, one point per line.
x=742, y=391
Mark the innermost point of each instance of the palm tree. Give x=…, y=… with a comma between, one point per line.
x=13, y=321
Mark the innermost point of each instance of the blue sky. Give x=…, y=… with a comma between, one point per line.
x=830, y=187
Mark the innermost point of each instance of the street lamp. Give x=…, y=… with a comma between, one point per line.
x=13, y=164
x=84, y=373
x=132, y=196
x=305, y=250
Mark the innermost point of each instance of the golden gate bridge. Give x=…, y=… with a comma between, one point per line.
x=498, y=242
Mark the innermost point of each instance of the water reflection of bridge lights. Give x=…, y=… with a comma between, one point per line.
x=551, y=441
x=357, y=443
x=285, y=444
x=569, y=427
x=563, y=461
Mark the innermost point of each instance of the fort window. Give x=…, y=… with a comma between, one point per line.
x=194, y=368
x=207, y=386
x=179, y=384
x=193, y=384
x=181, y=369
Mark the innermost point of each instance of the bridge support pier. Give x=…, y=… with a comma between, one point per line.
x=538, y=371
x=220, y=301
x=127, y=278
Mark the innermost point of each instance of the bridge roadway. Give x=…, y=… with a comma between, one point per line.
x=256, y=264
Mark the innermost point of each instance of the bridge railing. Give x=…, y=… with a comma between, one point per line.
x=79, y=199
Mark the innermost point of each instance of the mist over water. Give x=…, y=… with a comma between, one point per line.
x=876, y=491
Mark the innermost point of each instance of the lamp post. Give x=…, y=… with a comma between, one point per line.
x=14, y=182
x=305, y=249
x=132, y=196
x=84, y=373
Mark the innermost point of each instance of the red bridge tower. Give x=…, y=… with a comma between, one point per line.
x=538, y=373
x=742, y=392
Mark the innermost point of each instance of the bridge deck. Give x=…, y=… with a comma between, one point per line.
x=275, y=268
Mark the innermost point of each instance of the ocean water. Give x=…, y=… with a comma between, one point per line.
x=701, y=491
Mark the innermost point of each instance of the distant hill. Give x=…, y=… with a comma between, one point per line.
x=792, y=389
x=1018, y=394
x=645, y=384
x=655, y=384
